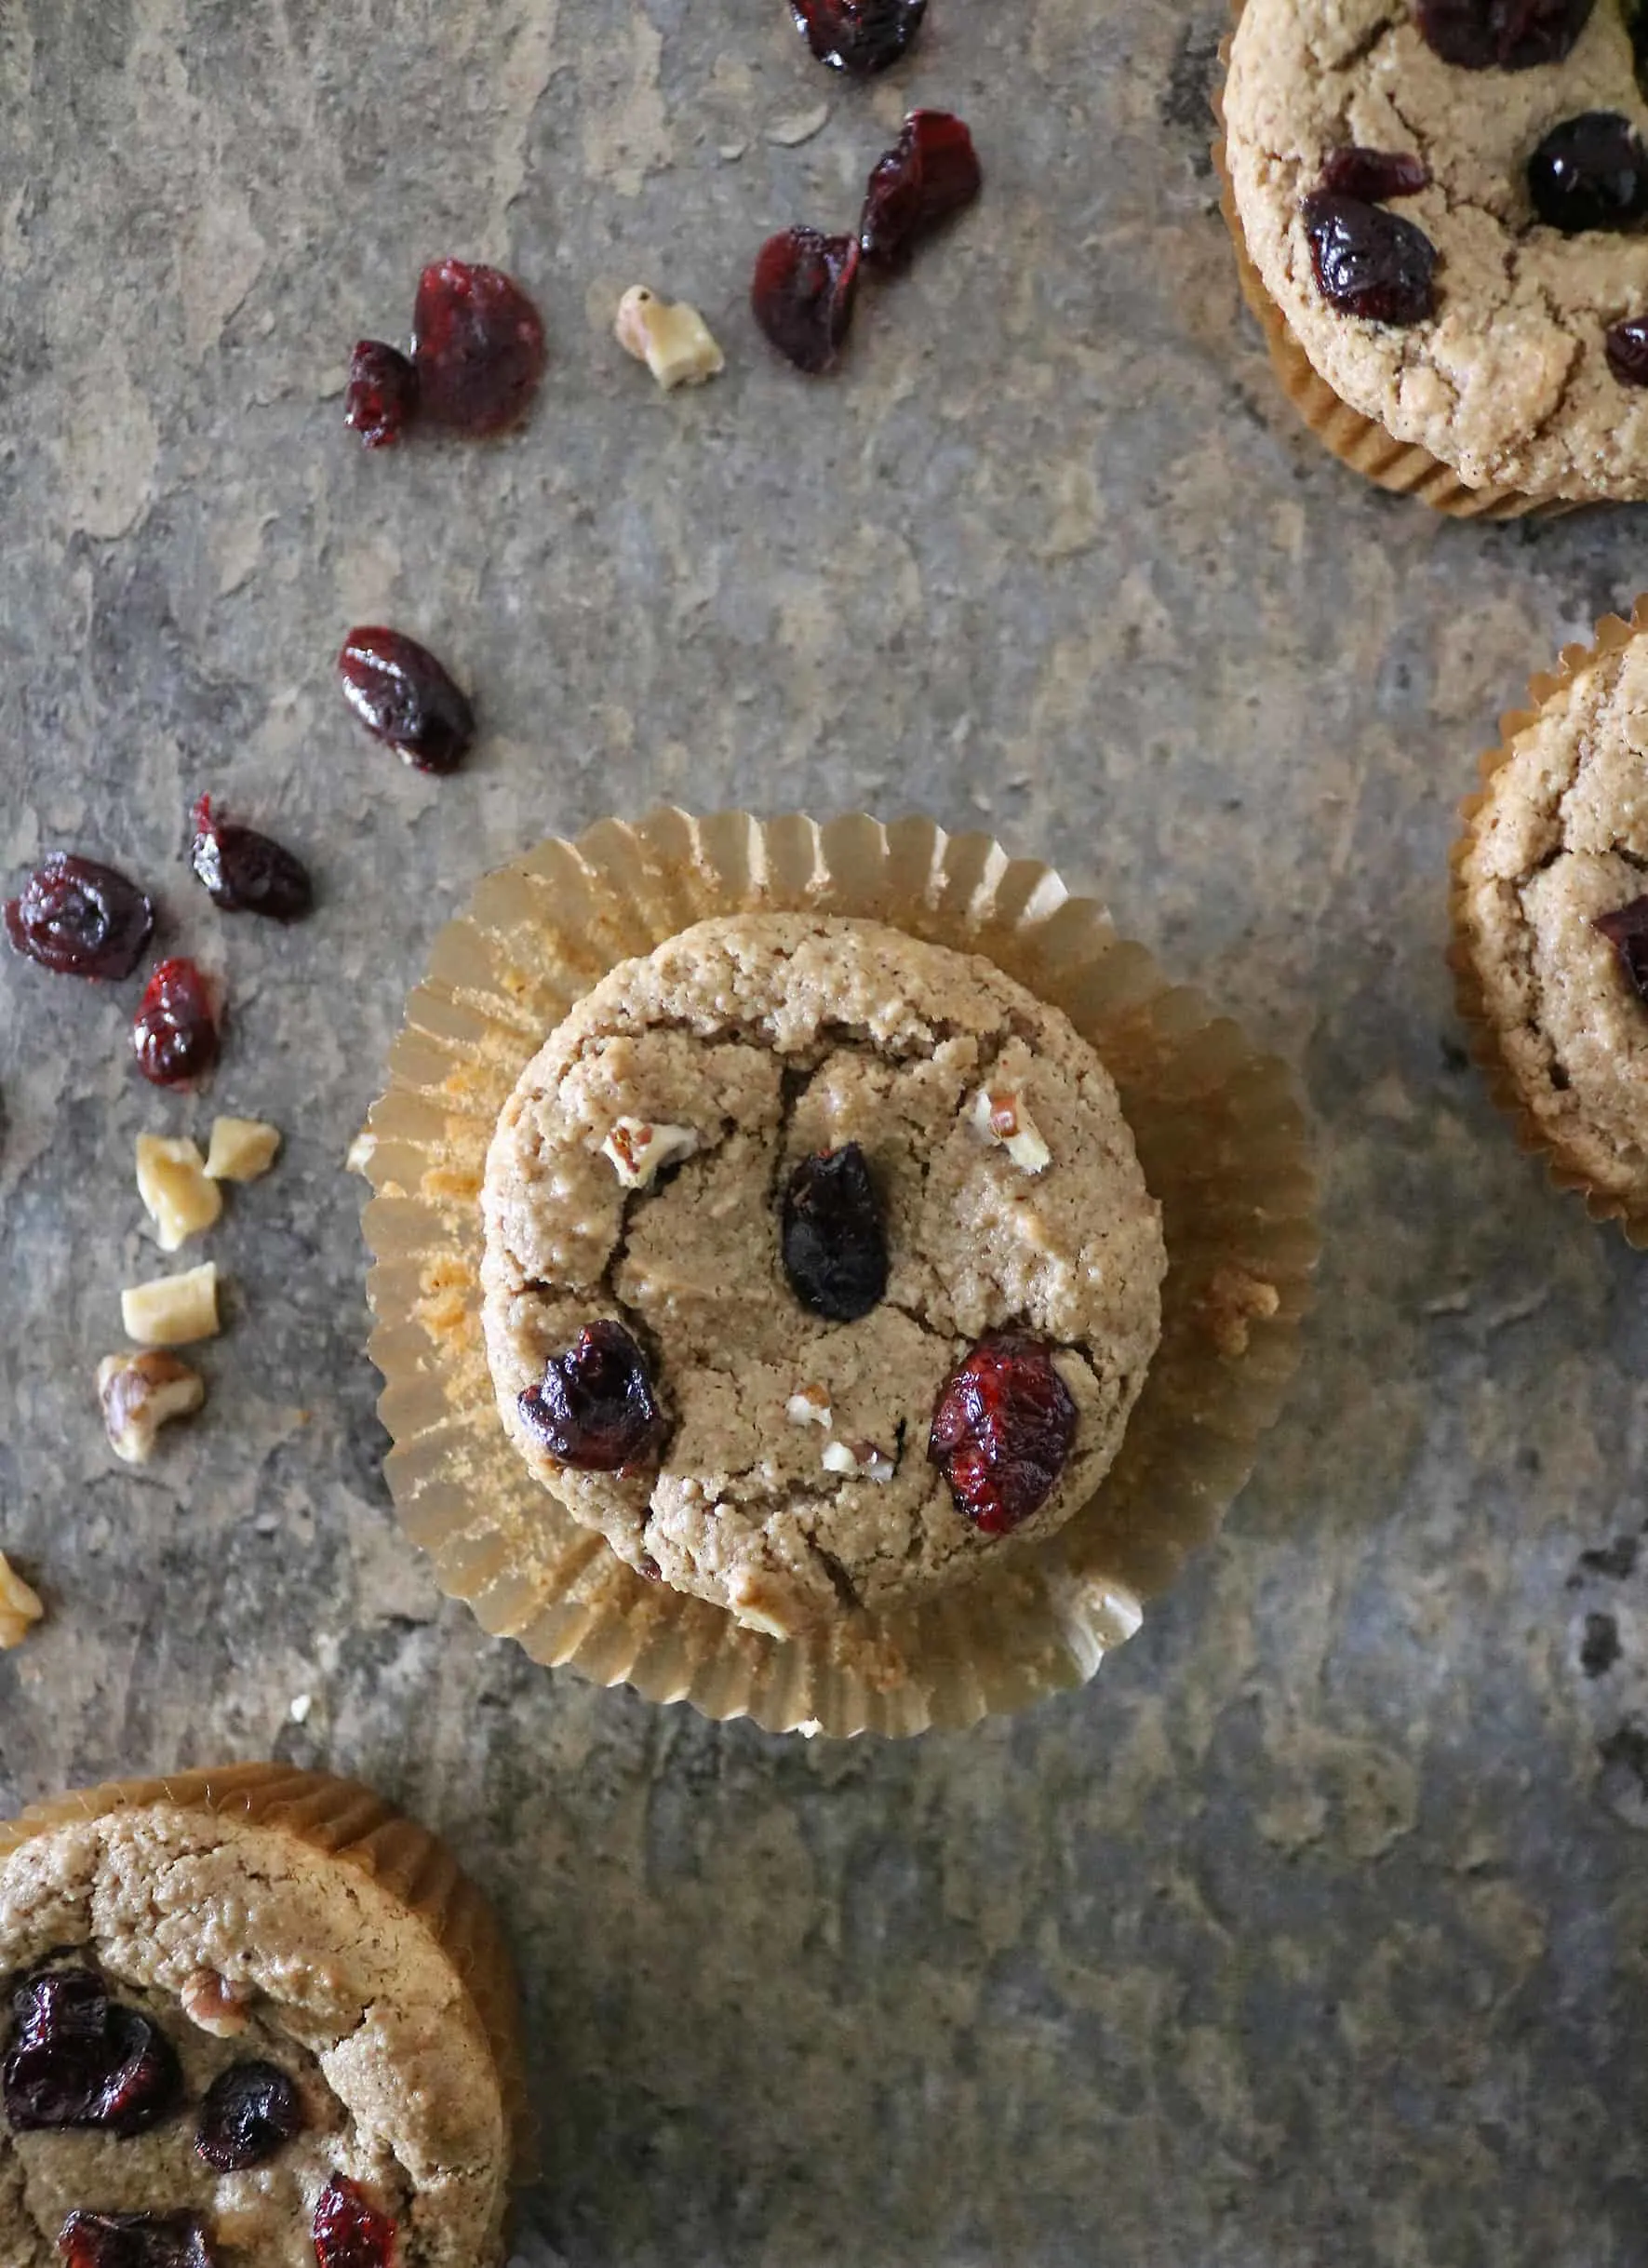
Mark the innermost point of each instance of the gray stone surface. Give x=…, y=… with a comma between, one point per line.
x=1313, y=1932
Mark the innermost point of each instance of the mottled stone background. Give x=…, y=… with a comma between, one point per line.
x=1312, y=1935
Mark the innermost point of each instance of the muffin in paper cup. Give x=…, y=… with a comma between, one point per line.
x=261, y=1923
x=1220, y=1135
x=1550, y=921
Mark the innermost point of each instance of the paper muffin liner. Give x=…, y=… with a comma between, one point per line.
x=1612, y=636
x=1222, y=1137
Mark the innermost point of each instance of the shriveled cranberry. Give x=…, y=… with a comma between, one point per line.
x=350, y=2233
x=1001, y=1431
x=1590, y=172
x=803, y=293
x=174, y=1033
x=1627, y=930
x=136, y=2240
x=1502, y=34
x=77, y=2058
x=931, y=171
x=478, y=348
x=833, y=1237
x=251, y=2113
x=1368, y=261
x=79, y=918
x=381, y=399
x=402, y=696
x=1373, y=175
x=1627, y=349
x=860, y=37
x=246, y=872
x=597, y=1410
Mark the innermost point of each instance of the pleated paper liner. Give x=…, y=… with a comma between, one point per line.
x=1224, y=1143
x=1612, y=636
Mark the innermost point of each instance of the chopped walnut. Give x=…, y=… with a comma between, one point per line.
x=1001, y=1117
x=640, y=1150
x=172, y=1182
x=810, y=1406
x=216, y=2006
x=20, y=1607
x=1232, y=1303
x=139, y=1395
x=862, y=1459
x=173, y=1310
x=674, y=342
x=241, y=1149
x=763, y=1607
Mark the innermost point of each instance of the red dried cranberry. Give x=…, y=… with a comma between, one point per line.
x=803, y=293
x=246, y=872
x=402, y=696
x=1502, y=34
x=136, y=2240
x=834, y=1241
x=76, y=2059
x=80, y=919
x=382, y=396
x=1590, y=172
x=479, y=347
x=861, y=36
x=1627, y=930
x=1373, y=175
x=174, y=1033
x=931, y=171
x=1368, y=261
x=1001, y=1431
x=349, y=2233
x=1627, y=349
x=595, y=1410
x=251, y=2113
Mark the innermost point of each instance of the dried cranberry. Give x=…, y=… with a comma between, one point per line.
x=77, y=2059
x=382, y=396
x=1502, y=34
x=1627, y=349
x=348, y=2231
x=803, y=293
x=80, y=919
x=174, y=1031
x=251, y=2113
x=861, y=36
x=1589, y=173
x=1373, y=175
x=402, y=696
x=1369, y=262
x=479, y=347
x=835, y=1243
x=1627, y=930
x=931, y=171
x=595, y=1409
x=246, y=872
x=136, y=2240
x=1001, y=1431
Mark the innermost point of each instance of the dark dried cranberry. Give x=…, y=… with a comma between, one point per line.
x=1001, y=1431
x=136, y=2240
x=835, y=1243
x=1368, y=261
x=1627, y=349
x=1373, y=175
x=77, y=2059
x=1627, y=930
x=803, y=293
x=382, y=396
x=80, y=919
x=595, y=1409
x=402, y=696
x=1589, y=173
x=246, y=872
x=251, y=2113
x=174, y=1033
x=931, y=171
x=861, y=36
x=478, y=348
x=1502, y=34
x=348, y=2231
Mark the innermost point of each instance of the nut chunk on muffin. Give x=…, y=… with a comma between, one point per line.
x=819, y=1268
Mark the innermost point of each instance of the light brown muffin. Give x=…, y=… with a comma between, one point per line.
x=795, y=1479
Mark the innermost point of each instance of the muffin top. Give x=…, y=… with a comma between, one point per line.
x=1559, y=846
x=792, y=1175
x=169, y=1974
x=1510, y=377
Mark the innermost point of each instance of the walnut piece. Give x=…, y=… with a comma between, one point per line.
x=764, y=1606
x=173, y=1310
x=241, y=1149
x=139, y=1395
x=808, y=1405
x=861, y=1460
x=640, y=1150
x=674, y=342
x=172, y=1183
x=214, y=2005
x=20, y=1607
x=1002, y=1116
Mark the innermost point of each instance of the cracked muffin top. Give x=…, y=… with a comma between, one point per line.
x=766, y=1201
x=1519, y=352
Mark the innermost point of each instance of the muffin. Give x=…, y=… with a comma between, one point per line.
x=254, y=2017
x=1437, y=203
x=1550, y=916
x=819, y=1268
